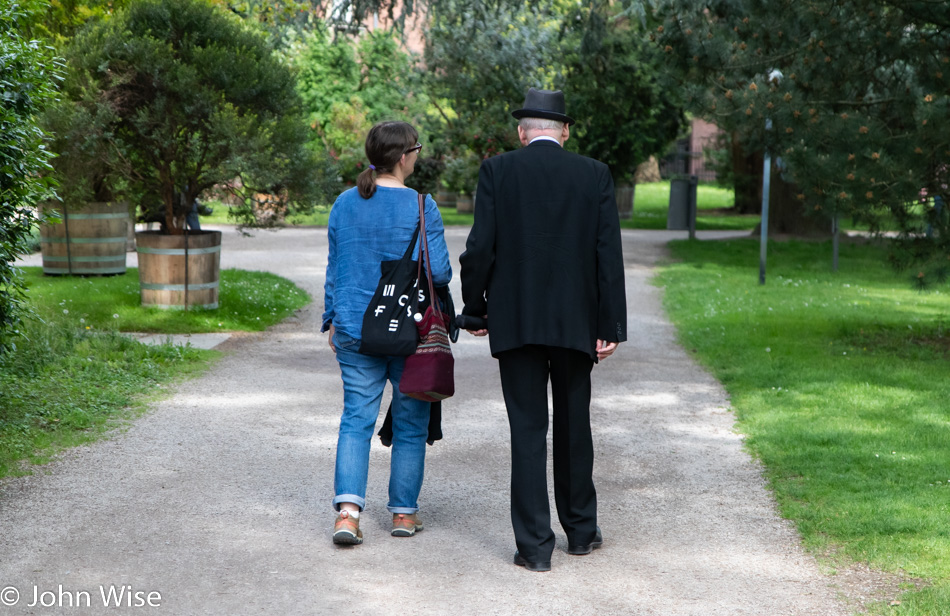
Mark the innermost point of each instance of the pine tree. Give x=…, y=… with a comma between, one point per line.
x=858, y=113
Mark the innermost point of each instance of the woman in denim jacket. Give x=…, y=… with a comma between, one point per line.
x=369, y=224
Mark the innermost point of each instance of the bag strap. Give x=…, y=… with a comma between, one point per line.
x=424, y=249
x=406, y=256
x=422, y=225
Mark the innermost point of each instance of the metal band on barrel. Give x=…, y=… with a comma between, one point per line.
x=84, y=240
x=179, y=251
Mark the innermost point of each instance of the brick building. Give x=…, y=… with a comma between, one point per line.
x=690, y=155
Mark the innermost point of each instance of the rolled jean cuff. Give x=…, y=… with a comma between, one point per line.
x=406, y=510
x=349, y=498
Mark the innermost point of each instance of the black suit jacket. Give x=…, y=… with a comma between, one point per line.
x=544, y=258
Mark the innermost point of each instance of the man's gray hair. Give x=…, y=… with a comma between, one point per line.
x=540, y=124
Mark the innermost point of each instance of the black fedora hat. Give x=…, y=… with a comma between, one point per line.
x=548, y=104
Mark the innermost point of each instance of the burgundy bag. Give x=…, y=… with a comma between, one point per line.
x=429, y=373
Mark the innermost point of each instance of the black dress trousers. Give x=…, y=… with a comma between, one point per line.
x=524, y=378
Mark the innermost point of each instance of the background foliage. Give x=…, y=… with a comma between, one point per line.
x=864, y=86
x=348, y=85
x=193, y=97
x=624, y=112
x=57, y=21
x=481, y=59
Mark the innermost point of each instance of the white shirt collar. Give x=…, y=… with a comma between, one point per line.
x=545, y=138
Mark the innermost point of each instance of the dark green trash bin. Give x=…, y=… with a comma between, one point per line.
x=682, y=211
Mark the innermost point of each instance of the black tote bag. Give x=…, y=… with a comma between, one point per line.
x=388, y=324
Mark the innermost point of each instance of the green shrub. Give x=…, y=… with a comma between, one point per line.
x=28, y=77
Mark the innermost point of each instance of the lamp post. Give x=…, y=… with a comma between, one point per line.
x=774, y=77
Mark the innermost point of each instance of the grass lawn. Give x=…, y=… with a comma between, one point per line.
x=73, y=376
x=248, y=301
x=651, y=202
x=650, y=205
x=321, y=216
x=317, y=218
x=840, y=382
x=64, y=386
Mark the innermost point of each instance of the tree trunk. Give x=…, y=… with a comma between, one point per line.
x=747, y=178
x=787, y=214
x=173, y=224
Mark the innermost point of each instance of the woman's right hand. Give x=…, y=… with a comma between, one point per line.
x=332, y=331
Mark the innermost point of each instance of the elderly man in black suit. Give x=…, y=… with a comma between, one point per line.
x=543, y=263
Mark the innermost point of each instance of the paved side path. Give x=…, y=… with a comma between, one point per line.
x=219, y=498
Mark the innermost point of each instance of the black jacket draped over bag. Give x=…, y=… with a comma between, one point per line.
x=530, y=262
x=435, y=408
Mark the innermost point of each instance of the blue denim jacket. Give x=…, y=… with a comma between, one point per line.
x=362, y=234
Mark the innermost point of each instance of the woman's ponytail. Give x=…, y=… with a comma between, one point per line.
x=366, y=183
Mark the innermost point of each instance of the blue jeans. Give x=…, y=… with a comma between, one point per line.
x=364, y=378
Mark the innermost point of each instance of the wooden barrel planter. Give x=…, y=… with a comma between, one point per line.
x=445, y=198
x=465, y=204
x=90, y=241
x=179, y=271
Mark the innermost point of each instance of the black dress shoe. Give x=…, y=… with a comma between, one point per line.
x=579, y=550
x=530, y=566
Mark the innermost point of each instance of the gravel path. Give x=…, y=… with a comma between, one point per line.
x=218, y=500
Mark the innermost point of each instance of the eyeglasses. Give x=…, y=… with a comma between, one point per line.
x=415, y=148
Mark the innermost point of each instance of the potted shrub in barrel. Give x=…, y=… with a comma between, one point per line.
x=86, y=232
x=193, y=98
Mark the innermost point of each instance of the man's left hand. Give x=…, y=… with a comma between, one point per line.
x=605, y=349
